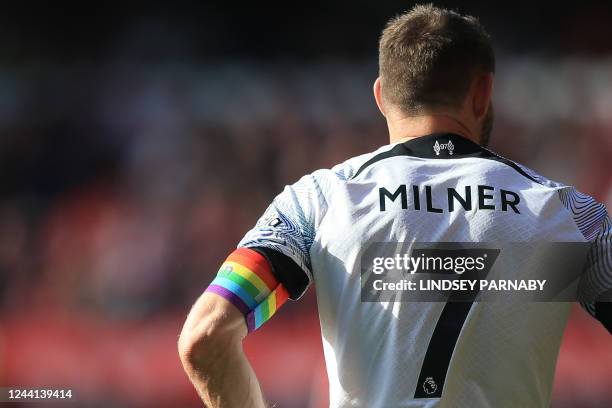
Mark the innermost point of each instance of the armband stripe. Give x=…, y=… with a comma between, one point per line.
x=256, y=263
x=231, y=297
x=247, y=285
x=264, y=311
x=236, y=290
x=248, y=275
x=246, y=280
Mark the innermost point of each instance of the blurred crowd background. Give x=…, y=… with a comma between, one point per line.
x=139, y=142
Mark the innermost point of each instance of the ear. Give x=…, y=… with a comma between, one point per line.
x=482, y=91
x=378, y=96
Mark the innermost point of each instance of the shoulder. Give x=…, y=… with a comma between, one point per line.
x=314, y=190
x=523, y=170
x=589, y=215
x=346, y=170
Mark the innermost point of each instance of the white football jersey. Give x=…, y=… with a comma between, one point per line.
x=429, y=354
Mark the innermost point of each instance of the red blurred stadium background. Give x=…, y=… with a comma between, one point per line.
x=134, y=155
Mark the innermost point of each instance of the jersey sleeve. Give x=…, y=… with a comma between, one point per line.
x=597, y=282
x=285, y=232
x=593, y=221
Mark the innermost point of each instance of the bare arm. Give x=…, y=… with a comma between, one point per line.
x=270, y=265
x=210, y=347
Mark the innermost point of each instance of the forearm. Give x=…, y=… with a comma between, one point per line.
x=244, y=295
x=225, y=378
x=211, y=351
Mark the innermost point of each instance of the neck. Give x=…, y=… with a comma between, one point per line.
x=405, y=128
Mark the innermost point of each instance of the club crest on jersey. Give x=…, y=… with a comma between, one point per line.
x=450, y=147
x=429, y=386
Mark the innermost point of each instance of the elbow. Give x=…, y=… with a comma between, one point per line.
x=205, y=339
x=191, y=344
x=197, y=342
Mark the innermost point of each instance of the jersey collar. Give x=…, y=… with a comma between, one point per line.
x=442, y=146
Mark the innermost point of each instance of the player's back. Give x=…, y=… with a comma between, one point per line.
x=437, y=188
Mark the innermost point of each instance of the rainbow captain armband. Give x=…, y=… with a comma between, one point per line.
x=245, y=279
